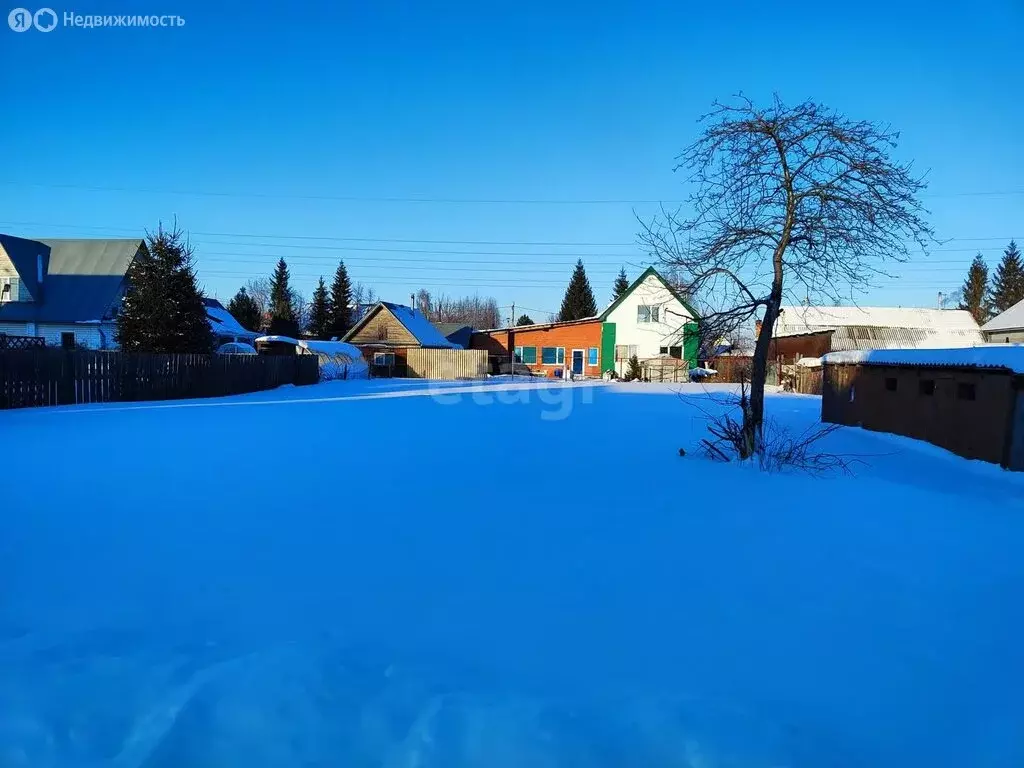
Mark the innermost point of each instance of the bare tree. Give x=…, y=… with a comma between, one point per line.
x=259, y=289
x=787, y=199
x=475, y=311
x=424, y=302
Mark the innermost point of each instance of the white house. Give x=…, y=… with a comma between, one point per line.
x=652, y=319
x=1006, y=327
x=67, y=291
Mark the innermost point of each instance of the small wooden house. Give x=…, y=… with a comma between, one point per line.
x=969, y=401
x=387, y=332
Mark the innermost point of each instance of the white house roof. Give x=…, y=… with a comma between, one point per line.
x=223, y=322
x=1008, y=356
x=1010, y=320
x=882, y=327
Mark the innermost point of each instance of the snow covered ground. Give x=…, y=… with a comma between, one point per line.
x=373, y=573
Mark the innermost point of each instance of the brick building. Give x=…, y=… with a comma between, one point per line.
x=650, y=320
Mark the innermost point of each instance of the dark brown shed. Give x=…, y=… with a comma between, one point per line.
x=969, y=401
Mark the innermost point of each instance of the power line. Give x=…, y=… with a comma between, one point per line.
x=426, y=200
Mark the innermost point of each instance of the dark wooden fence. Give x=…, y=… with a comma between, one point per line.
x=50, y=376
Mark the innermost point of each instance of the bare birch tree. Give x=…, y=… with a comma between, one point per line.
x=788, y=201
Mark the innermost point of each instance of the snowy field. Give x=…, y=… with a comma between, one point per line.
x=515, y=575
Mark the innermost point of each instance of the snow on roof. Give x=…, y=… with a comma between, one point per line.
x=809, y=362
x=222, y=321
x=418, y=325
x=1010, y=320
x=882, y=327
x=283, y=339
x=331, y=348
x=1008, y=356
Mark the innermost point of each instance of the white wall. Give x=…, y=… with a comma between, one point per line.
x=88, y=334
x=649, y=337
x=1003, y=337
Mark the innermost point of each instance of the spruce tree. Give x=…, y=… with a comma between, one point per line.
x=282, y=312
x=524, y=320
x=633, y=372
x=246, y=310
x=579, y=299
x=163, y=308
x=1008, y=283
x=320, y=312
x=620, y=286
x=340, y=303
x=975, y=291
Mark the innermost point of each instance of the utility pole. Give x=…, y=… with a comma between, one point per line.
x=511, y=348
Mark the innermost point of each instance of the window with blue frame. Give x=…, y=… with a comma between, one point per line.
x=552, y=355
x=592, y=356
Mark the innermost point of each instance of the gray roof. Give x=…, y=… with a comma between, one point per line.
x=81, y=280
x=1010, y=320
x=456, y=333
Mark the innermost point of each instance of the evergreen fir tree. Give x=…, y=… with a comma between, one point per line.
x=620, y=286
x=524, y=320
x=1008, y=283
x=282, y=312
x=246, y=310
x=163, y=308
x=320, y=312
x=579, y=299
x=340, y=303
x=633, y=372
x=975, y=291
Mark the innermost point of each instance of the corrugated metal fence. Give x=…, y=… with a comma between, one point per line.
x=447, y=364
x=58, y=377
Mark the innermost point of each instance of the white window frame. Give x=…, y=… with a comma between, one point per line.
x=653, y=314
x=559, y=356
x=385, y=355
x=597, y=357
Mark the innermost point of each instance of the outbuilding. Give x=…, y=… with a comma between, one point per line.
x=969, y=401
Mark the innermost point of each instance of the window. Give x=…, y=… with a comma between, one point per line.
x=662, y=350
x=592, y=356
x=384, y=358
x=676, y=352
x=517, y=355
x=965, y=391
x=645, y=313
x=890, y=384
x=926, y=387
x=552, y=355
x=624, y=351
x=67, y=340
x=526, y=355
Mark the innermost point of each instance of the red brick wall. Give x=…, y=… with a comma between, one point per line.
x=571, y=336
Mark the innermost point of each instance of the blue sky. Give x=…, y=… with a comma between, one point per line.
x=254, y=124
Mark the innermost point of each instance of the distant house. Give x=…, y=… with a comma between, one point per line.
x=651, y=320
x=387, y=331
x=65, y=291
x=1006, y=327
x=812, y=332
x=458, y=334
x=225, y=327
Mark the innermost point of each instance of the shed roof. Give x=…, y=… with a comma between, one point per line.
x=81, y=282
x=882, y=327
x=222, y=321
x=1008, y=357
x=1011, y=319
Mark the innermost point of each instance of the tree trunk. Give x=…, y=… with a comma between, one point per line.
x=753, y=414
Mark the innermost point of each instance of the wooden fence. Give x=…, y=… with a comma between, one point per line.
x=21, y=342
x=57, y=377
x=447, y=364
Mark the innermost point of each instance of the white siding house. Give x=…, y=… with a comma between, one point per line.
x=651, y=320
x=65, y=291
x=1006, y=327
